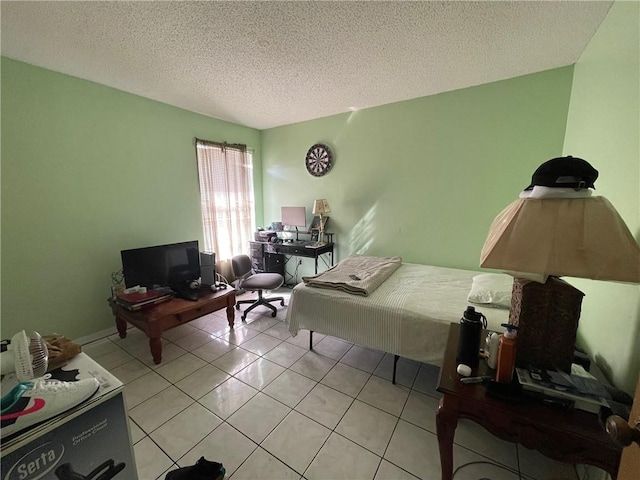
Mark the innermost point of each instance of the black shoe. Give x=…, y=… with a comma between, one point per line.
x=202, y=470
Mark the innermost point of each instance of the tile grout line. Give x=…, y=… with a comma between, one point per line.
x=261, y=390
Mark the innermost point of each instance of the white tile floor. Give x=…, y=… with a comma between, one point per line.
x=258, y=401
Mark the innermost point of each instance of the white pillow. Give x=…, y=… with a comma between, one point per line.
x=493, y=289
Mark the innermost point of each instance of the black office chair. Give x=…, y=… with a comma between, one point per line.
x=246, y=279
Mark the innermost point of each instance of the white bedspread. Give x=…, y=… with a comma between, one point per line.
x=407, y=315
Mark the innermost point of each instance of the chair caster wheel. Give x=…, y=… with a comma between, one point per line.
x=244, y=318
x=273, y=314
x=282, y=303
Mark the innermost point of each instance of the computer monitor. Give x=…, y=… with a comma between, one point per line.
x=294, y=217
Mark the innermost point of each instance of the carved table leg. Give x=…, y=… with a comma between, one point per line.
x=155, y=344
x=121, y=325
x=446, y=422
x=230, y=313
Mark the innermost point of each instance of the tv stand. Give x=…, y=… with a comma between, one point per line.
x=172, y=313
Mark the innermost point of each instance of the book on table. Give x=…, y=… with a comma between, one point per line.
x=584, y=395
x=137, y=300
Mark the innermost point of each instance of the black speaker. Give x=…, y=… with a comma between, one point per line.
x=207, y=268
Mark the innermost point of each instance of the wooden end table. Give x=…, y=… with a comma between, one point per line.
x=567, y=436
x=177, y=311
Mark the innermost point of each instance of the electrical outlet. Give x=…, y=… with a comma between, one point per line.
x=299, y=262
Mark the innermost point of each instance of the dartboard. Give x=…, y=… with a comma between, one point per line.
x=318, y=160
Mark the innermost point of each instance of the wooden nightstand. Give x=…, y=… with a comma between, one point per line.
x=568, y=436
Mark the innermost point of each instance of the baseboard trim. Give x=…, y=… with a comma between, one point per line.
x=95, y=336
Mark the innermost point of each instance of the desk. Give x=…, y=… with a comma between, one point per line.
x=568, y=436
x=172, y=313
x=302, y=249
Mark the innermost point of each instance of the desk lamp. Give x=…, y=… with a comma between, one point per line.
x=321, y=207
x=556, y=228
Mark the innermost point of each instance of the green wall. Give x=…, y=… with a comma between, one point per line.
x=422, y=178
x=86, y=172
x=604, y=128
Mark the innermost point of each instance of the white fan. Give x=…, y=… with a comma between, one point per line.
x=27, y=355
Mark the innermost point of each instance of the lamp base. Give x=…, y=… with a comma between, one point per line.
x=546, y=315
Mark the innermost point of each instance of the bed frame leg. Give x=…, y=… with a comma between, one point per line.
x=310, y=339
x=395, y=364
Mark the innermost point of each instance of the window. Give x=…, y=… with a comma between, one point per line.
x=225, y=174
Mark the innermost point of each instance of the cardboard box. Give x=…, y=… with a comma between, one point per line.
x=91, y=440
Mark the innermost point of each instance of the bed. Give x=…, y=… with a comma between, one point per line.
x=407, y=315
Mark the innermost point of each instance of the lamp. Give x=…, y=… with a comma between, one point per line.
x=320, y=208
x=543, y=239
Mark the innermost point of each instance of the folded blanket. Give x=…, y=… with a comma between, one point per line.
x=358, y=274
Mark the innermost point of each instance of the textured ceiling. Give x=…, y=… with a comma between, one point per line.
x=265, y=64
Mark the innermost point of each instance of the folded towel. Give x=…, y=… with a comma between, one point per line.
x=358, y=274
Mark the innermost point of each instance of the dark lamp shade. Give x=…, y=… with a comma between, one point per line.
x=576, y=237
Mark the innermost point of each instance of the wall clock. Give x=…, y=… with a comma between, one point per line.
x=319, y=160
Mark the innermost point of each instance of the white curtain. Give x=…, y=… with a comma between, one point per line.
x=225, y=173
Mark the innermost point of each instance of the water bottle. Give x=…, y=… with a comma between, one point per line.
x=471, y=325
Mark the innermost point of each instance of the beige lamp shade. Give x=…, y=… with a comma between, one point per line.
x=576, y=237
x=320, y=207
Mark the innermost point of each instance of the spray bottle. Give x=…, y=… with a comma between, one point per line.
x=506, y=354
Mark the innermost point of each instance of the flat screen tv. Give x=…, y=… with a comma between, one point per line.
x=172, y=265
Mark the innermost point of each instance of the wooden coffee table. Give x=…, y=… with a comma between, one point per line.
x=568, y=436
x=177, y=311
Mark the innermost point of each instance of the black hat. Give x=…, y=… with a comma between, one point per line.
x=564, y=172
